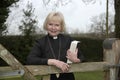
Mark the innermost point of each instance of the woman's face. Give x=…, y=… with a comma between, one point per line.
x=54, y=28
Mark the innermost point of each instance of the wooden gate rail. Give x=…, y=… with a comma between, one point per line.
x=14, y=63
x=79, y=67
x=11, y=74
x=111, y=50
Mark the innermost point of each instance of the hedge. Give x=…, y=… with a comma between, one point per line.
x=20, y=47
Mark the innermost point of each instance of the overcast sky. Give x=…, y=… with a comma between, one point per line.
x=77, y=13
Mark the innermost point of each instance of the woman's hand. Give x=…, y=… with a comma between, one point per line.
x=60, y=64
x=73, y=56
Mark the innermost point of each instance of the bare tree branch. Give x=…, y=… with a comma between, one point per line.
x=55, y=3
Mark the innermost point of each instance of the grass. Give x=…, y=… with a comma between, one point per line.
x=89, y=75
x=78, y=76
x=11, y=78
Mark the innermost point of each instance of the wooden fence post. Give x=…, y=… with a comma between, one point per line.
x=15, y=64
x=111, y=50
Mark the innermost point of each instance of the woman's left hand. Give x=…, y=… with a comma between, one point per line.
x=72, y=56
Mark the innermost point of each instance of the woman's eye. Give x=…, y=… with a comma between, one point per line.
x=50, y=24
x=57, y=25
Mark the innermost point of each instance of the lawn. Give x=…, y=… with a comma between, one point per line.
x=78, y=76
x=89, y=75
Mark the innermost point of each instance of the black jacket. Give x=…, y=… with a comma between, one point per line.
x=41, y=52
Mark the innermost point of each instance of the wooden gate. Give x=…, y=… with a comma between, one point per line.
x=110, y=64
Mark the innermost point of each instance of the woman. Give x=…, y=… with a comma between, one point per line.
x=53, y=48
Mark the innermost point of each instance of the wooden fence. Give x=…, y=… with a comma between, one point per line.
x=110, y=64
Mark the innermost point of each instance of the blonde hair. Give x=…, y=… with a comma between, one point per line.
x=55, y=16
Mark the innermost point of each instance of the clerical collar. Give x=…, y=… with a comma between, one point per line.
x=55, y=37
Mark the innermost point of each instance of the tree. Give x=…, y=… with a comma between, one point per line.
x=55, y=3
x=4, y=4
x=29, y=21
x=28, y=27
x=117, y=18
x=99, y=24
x=117, y=22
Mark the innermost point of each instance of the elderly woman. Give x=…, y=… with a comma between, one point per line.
x=53, y=48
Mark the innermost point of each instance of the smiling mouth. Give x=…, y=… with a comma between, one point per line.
x=53, y=31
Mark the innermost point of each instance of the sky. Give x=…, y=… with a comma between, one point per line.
x=77, y=14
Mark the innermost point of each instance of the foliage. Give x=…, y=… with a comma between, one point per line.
x=20, y=47
x=55, y=3
x=29, y=22
x=117, y=18
x=4, y=4
x=91, y=50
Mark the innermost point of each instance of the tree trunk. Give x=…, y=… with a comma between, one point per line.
x=117, y=23
x=117, y=18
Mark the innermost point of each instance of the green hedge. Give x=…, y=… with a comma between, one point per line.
x=91, y=48
x=20, y=47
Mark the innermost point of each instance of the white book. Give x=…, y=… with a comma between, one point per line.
x=73, y=47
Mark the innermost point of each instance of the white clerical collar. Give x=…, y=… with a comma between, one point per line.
x=55, y=37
